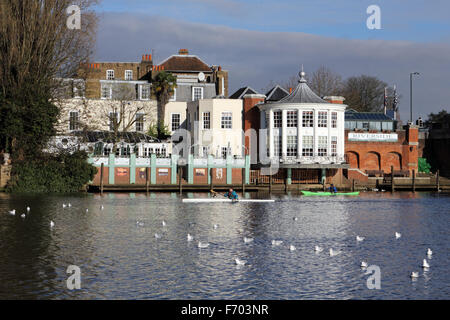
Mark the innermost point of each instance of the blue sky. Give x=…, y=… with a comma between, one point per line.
x=261, y=42
x=412, y=20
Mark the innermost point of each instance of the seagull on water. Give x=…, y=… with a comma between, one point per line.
x=52, y=224
x=247, y=240
x=358, y=238
x=69, y=205
x=22, y=215
x=28, y=209
x=203, y=244
x=429, y=252
x=318, y=249
x=295, y=218
x=189, y=237
x=87, y=210
x=364, y=264
x=240, y=262
x=333, y=253
x=102, y=207
x=157, y=236
x=216, y=226
x=398, y=235
x=292, y=248
x=425, y=264
x=64, y=205
x=164, y=223
x=276, y=242
x=12, y=212
x=414, y=275
x=140, y=223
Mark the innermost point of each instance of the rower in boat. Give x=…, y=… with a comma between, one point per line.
x=213, y=193
x=231, y=194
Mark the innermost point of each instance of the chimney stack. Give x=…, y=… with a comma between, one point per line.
x=183, y=52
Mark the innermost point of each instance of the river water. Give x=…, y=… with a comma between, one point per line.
x=121, y=259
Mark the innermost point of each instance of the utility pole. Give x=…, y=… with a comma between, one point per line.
x=411, y=95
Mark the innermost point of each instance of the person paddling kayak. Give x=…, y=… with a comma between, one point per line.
x=231, y=194
x=333, y=189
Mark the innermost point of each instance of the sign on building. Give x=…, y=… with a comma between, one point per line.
x=379, y=137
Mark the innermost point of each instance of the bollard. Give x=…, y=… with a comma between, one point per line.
x=414, y=180
x=180, y=179
x=437, y=180
x=243, y=180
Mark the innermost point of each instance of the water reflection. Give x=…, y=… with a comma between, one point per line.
x=121, y=259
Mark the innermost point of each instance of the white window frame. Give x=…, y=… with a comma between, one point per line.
x=209, y=120
x=291, y=121
x=171, y=121
x=277, y=145
x=108, y=73
x=308, y=122
x=174, y=95
x=225, y=150
x=127, y=73
x=193, y=93
x=206, y=151
x=110, y=120
x=110, y=92
x=224, y=125
x=322, y=146
x=277, y=119
x=141, y=87
x=322, y=119
x=78, y=120
x=143, y=121
x=334, y=145
x=334, y=119
x=308, y=149
x=291, y=146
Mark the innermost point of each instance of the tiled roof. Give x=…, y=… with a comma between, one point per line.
x=185, y=63
x=276, y=93
x=302, y=94
x=242, y=92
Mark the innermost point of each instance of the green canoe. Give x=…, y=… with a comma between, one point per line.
x=309, y=193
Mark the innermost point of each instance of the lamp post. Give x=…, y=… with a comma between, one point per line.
x=411, y=95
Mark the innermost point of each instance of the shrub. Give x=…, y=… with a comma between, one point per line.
x=62, y=173
x=424, y=166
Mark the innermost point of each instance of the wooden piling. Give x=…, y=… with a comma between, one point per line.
x=101, y=178
x=180, y=179
x=270, y=180
x=353, y=185
x=211, y=184
x=414, y=180
x=392, y=179
x=437, y=180
x=147, y=179
x=243, y=180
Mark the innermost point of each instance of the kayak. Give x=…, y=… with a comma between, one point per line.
x=309, y=193
x=224, y=200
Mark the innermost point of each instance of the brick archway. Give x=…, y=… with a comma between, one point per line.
x=393, y=159
x=353, y=159
x=372, y=161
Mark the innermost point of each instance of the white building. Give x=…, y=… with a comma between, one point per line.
x=215, y=126
x=304, y=129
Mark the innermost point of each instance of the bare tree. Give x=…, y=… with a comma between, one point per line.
x=291, y=83
x=325, y=82
x=121, y=112
x=36, y=48
x=364, y=93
